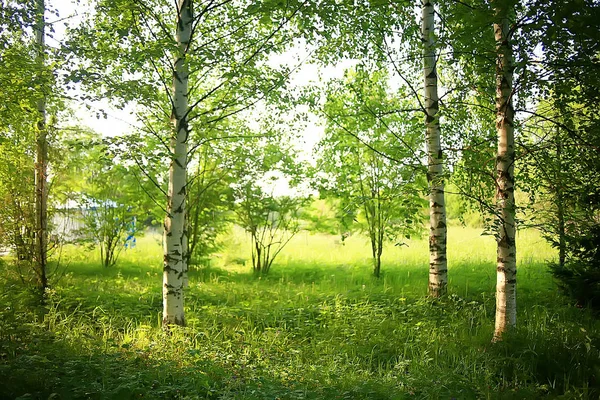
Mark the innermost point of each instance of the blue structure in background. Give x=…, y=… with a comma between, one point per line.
x=130, y=241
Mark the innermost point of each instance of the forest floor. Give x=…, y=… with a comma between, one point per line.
x=319, y=326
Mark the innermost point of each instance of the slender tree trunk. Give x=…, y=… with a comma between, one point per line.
x=379, y=252
x=41, y=163
x=506, y=294
x=376, y=266
x=438, y=268
x=562, y=244
x=175, y=240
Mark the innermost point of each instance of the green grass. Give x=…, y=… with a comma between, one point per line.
x=317, y=327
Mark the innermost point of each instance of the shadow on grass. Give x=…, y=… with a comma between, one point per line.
x=265, y=339
x=38, y=364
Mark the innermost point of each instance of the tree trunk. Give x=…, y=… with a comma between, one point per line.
x=378, y=256
x=438, y=269
x=506, y=295
x=41, y=163
x=562, y=244
x=376, y=267
x=175, y=240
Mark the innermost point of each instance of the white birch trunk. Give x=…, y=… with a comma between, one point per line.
x=41, y=161
x=175, y=237
x=438, y=270
x=506, y=294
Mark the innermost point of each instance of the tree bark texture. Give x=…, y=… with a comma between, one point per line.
x=438, y=268
x=175, y=237
x=41, y=162
x=506, y=295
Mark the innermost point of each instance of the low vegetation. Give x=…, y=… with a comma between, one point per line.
x=318, y=326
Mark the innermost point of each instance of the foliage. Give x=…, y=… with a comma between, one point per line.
x=111, y=213
x=579, y=276
x=369, y=162
x=16, y=207
x=210, y=201
x=270, y=216
x=108, y=225
x=271, y=221
x=563, y=136
x=27, y=79
x=127, y=57
x=319, y=216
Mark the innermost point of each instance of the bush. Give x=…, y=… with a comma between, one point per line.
x=579, y=277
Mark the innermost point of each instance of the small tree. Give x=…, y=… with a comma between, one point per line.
x=271, y=221
x=266, y=163
x=108, y=226
x=109, y=197
x=210, y=201
x=367, y=161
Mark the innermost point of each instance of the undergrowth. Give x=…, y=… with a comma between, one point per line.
x=317, y=327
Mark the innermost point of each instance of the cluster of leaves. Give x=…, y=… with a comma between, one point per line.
x=271, y=218
x=110, y=205
x=368, y=160
x=561, y=157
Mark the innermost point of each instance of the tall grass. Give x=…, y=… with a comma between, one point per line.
x=318, y=326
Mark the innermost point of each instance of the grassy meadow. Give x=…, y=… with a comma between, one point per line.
x=319, y=326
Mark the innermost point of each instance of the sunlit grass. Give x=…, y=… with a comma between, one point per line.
x=318, y=326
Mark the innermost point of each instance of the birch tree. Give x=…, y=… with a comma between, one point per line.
x=192, y=62
x=506, y=296
x=438, y=268
x=26, y=87
x=41, y=163
x=175, y=233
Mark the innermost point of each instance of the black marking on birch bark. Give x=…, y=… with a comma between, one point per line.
x=175, y=73
x=440, y=154
x=431, y=75
x=435, y=271
x=167, y=267
x=429, y=119
x=505, y=242
x=511, y=281
x=178, y=163
x=436, y=205
x=503, y=174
